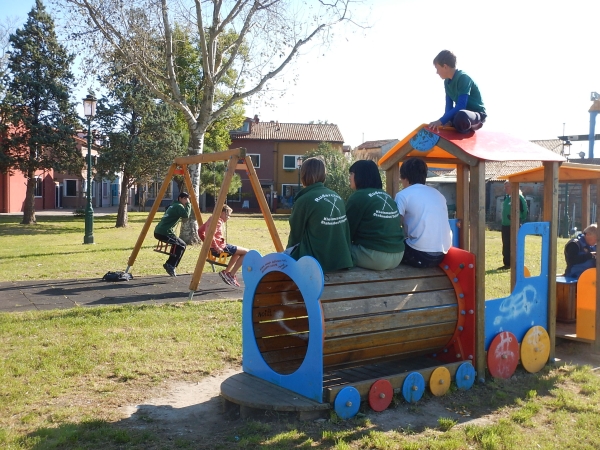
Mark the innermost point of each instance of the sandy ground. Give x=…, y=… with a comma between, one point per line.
x=194, y=411
x=189, y=410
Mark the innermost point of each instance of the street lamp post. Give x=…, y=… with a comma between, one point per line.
x=567, y=153
x=89, y=110
x=299, y=166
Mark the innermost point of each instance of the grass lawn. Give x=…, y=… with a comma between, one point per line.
x=53, y=248
x=65, y=373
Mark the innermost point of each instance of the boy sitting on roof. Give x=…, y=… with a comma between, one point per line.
x=464, y=106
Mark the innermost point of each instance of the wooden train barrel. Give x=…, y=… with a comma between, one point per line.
x=369, y=317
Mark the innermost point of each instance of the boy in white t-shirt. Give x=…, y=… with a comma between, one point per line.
x=424, y=216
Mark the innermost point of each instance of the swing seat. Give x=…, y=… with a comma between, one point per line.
x=164, y=247
x=220, y=260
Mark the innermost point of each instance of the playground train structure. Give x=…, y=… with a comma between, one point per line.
x=359, y=335
x=315, y=341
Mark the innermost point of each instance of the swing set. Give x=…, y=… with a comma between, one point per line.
x=236, y=160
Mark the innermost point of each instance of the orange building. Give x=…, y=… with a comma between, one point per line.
x=275, y=148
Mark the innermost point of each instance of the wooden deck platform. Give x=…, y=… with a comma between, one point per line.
x=252, y=395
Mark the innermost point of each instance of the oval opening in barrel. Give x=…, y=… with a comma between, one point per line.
x=280, y=322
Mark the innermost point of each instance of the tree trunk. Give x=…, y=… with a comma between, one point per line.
x=122, y=218
x=142, y=197
x=29, y=204
x=189, y=227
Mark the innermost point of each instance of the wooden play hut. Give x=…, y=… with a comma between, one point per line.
x=578, y=300
x=469, y=153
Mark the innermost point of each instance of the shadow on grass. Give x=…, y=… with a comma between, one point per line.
x=84, y=250
x=39, y=230
x=497, y=393
x=206, y=425
x=151, y=426
x=497, y=270
x=47, y=225
x=258, y=216
x=89, y=435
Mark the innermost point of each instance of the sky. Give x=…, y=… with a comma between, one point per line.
x=535, y=62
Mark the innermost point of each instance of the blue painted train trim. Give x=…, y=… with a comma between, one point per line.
x=308, y=276
x=527, y=305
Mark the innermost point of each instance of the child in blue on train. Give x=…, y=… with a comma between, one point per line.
x=580, y=252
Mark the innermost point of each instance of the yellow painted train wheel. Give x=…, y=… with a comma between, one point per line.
x=535, y=349
x=439, y=381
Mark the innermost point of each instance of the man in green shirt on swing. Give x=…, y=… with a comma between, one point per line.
x=165, y=230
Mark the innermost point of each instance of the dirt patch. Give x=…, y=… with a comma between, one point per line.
x=193, y=411
x=180, y=409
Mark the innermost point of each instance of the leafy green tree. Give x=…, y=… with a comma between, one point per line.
x=141, y=135
x=212, y=179
x=241, y=46
x=39, y=121
x=337, y=168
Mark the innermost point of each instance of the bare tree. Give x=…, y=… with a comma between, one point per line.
x=7, y=27
x=243, y=44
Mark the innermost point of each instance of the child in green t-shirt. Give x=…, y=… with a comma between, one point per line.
x=464, y=107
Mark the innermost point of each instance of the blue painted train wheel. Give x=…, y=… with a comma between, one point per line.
x=465, y=376
x=413, y=387
x=347, y=402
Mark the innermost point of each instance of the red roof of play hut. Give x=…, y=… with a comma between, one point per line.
x=447, y=145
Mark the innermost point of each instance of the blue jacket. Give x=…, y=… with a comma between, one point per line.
x=579, y=256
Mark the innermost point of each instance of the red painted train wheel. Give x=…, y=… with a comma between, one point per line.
x=380, y=395
x=503, y=355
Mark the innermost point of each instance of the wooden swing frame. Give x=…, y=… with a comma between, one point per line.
x=237, y=160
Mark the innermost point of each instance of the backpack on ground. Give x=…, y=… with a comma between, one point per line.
x=117, y=276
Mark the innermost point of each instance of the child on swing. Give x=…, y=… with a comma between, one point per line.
x=218, y=246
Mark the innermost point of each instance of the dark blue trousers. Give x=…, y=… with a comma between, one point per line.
x=178, y=248
x=465, y=121
x=418, y=258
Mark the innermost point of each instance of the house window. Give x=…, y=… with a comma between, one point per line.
x=39, y=187
x=290, y=162
x=154, y=188
x=105, y=189
x=237, y=197
x=255, y=157
x=70, y=188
